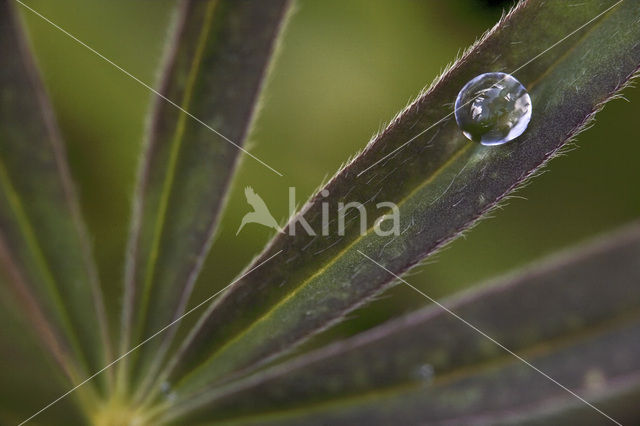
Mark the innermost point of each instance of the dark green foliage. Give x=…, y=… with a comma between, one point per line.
x=575, y=317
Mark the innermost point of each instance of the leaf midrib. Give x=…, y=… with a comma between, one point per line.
x=311, y=278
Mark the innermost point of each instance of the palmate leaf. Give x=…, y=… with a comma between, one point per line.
x=571, y=58
x=215, y=64
x=576, y=316
x=44, y=248
x=442, y=183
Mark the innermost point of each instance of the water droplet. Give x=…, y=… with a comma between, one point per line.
x=493, y=108
x=166, y=390
x=424, y=373
x=594, y=379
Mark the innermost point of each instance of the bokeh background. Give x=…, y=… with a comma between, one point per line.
x=344, y=68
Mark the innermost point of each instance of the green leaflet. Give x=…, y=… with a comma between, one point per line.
x=441, y=182
x=215, y=64
x=488, y=396
x=44, y=247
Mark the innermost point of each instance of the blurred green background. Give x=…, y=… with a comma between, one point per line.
x=344, y=68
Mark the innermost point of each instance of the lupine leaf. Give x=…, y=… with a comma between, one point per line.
x=576, y=316
x=215, y=64
x=571, y=58
x=43, y=243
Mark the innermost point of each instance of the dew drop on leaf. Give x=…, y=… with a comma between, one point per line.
x=424, y=373
x=167, y=391
x=493, y=108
